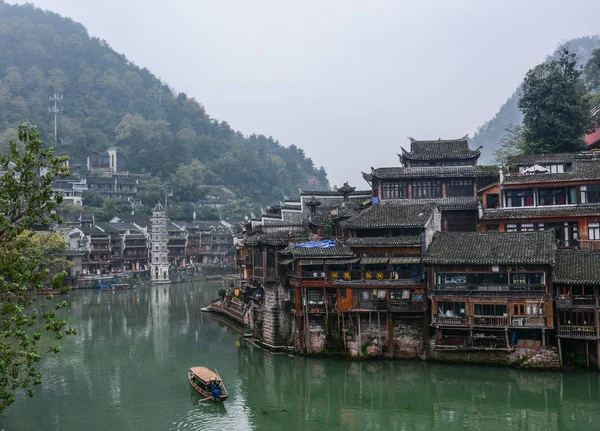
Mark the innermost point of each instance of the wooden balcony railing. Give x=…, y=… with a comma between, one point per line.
x=589, y=245
x=406, y=306
x=568, y=302
x=449, y=321
x=370, y=304
x=535, y=322
x=490, y=321
x=573, y=331
x=490, y=291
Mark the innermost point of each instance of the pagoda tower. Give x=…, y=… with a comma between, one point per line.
x=159, y=254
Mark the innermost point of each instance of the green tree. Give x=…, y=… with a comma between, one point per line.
x=188, y=180
x=26, y=199
x=93, y=198
x=555, y=106
x=512, y=143
x=592, y=72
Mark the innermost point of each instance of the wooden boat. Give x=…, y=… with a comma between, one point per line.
x=202, y=379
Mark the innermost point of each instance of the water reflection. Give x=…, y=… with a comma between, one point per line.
x=127, y=370
x=415, y=396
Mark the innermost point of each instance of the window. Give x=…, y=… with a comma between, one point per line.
x=519, y=198
x=462, y=187
x=450, y=309
x=400, y=294
x=558, y=196
x=526, y=227
x=527, y=278
x=490, y=309
x=424, y=164
x=395, y=190
x=519, y=310
x=590, y=194
x=461, y=223
x=426, y=189
x=511, y=227
x=594, y=231
x=492, y=200
x=343, y=293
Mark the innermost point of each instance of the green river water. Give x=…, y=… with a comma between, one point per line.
x=126, y=369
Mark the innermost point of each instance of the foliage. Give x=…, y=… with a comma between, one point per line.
x=489, y=134
x=93, y=198
x=27, y=262
x=188, y=180
x=48, y=249
x=555, y=106
x=592, y=72
x=109, y=100
x=512, y=143
x=222, y=293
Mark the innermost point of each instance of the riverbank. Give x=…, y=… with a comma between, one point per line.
x=409, y=343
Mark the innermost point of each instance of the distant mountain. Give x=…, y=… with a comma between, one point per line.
x=109, y=101
x=489, y=133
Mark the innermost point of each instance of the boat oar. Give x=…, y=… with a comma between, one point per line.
x=205, y=399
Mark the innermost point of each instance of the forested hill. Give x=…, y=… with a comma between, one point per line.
x=489, y=134
x=108, y=101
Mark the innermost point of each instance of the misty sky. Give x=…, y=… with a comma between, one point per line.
x=345, y=80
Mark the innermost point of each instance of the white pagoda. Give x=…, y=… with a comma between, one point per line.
x=159, y=254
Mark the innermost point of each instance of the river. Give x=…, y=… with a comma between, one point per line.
x=126, y=369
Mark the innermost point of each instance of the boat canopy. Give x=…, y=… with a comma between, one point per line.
x=205, y=374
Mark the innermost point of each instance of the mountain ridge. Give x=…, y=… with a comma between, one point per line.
x=109, y=100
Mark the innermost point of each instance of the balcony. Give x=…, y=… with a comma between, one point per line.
x=572, y=331
x=570, y=302
x=490, y=291
x=452, y=321
x=407, y=306
x=465, y=342
x=589, y=245
x=490, y=321
x=370, y=304
x=531, y=322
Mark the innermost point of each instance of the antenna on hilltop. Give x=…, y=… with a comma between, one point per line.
x=158, y=97
x=54, y=109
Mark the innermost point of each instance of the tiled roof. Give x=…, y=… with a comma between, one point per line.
x=440, y=149
x=385, y=241
x=492, y=248
x=541, y=159
x=334, y=193
x=444, y=204
x=533, y=212
x=391, y=215
x=338, y=250
x=578, y=267
x=425, y=172
x=374, y=283
x=582, y=170
x=276, y=238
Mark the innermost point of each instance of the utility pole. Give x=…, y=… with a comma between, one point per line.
x=55, y=98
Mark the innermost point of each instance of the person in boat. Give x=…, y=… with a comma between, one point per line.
x=216, y=391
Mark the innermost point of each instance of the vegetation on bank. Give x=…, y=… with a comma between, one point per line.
x=28, y=262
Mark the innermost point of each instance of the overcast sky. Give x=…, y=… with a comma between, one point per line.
x=345, y=80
